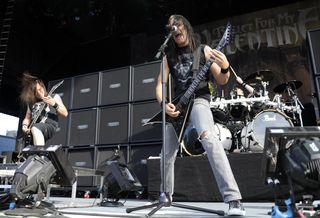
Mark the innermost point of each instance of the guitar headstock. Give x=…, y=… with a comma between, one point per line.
x=226, y=38
x=55, y=87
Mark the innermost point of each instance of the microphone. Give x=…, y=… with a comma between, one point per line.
x=172, y=28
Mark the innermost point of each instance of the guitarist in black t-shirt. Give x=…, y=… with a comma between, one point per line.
x=41, y=118
x=213, y=63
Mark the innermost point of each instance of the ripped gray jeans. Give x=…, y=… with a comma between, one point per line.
x=201, y=118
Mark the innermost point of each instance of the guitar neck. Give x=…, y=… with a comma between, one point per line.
x=187, y=95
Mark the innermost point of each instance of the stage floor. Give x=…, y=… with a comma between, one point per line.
x=88, y=208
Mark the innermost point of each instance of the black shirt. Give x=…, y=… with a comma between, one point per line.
x=182, y=74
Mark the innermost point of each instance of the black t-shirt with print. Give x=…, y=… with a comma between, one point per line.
x=182, y=74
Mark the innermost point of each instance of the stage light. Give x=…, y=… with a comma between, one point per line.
x=44, y=164
x=292, y=153
x=32, y=177
x=302, y=162
x=65, y=175
x=120, y=180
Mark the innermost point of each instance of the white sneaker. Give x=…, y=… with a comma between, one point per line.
x=236, y=209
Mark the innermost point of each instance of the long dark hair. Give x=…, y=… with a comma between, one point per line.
x=29, y=83
x=193, y=43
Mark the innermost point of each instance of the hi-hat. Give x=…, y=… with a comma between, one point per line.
x=293, y=84
x=262, y=75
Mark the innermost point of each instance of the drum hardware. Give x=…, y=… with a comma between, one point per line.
x=263, y=99
x=277, y=99
x=291, y=87
x=297, y=108
x=237, y=146
x=264, y=85
x=250, y=144
x=262, y=75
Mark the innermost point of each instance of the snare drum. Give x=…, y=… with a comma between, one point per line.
x=253, y=134
x=193, y=147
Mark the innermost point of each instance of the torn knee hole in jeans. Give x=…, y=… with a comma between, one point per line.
x=204, y=135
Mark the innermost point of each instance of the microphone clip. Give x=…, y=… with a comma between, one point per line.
x=171, y=29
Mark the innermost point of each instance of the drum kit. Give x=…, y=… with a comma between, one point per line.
x=241, y=122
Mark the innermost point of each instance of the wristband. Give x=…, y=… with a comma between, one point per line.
x=244, y=84
x=55, y=106
x=165, y=102
x=224, y=71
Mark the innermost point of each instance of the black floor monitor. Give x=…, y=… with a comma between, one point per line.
x=65, y=173
x=293, y=151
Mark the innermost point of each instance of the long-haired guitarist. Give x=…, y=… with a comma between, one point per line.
x=41, y=118
x=179, y=63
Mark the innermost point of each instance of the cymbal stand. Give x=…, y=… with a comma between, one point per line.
x=297, y=104
x=277, y=100
x=265, y=91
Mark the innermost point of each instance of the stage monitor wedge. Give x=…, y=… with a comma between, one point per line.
x=281, y=142
x=121, y=179
x=65, y=173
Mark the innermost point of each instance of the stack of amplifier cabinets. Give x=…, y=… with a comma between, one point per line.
x=107, y=110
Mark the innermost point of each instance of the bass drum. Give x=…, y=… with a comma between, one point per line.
x=253, y=134
x=193, y=147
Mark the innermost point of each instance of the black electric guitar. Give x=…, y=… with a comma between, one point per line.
x=184, y=102
x=28, y=137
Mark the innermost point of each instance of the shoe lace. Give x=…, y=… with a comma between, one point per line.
x=234, y=204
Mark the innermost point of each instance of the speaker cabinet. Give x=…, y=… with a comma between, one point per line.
x=139, y=153
x=115, y=86
x=314, y=64
x=141, y=113
x=144, y=81
x=113, y=125
x=82, y=157
x=85, y=91
x=105, y=153
x=314, y=49
x=60, y=137
x=82, y=128
x=64, y=90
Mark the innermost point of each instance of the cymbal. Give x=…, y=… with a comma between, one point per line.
x=293, y=84
x=262, y=75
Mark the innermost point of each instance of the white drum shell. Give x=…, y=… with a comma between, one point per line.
x=222, y=132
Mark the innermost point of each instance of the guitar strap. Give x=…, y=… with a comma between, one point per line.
x=196, y=60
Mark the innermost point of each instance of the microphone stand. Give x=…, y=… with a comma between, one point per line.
x=297, y=104
x=163, y=200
